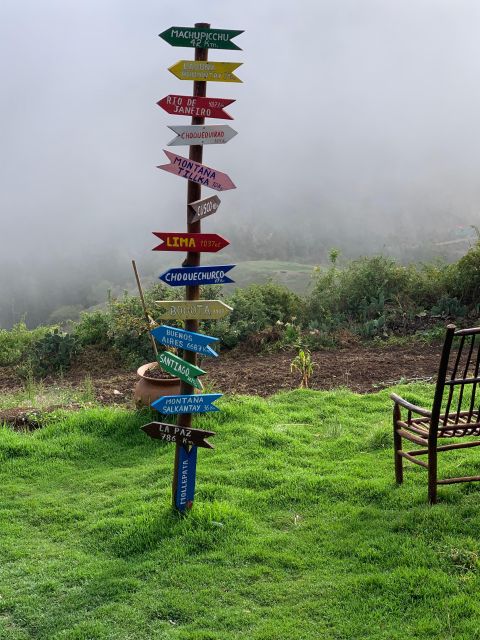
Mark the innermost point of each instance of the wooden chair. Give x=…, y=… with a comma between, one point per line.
x=453, y=413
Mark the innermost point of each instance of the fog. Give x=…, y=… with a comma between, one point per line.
x=357, y=128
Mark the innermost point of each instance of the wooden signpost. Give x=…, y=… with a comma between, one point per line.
x=201, y=134
x=205, y=71
x=193, y=242
x=196, y=172
x=196, y=106
x=203, y=208
x=193, y=309
x=191, y=276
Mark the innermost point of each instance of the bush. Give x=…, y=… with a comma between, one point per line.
x=372, y=294
x=127, y=328
x=16, y=344
x=255, y=308
x=370, y=280
x=53, y=353
x=93, y=329
x=466, y=277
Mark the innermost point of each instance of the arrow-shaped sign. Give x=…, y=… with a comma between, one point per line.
x=178, y=435
x=208, y=71
x=200, y=38
x=186, y=472
x=201, y=134
x=203, y=208
x=194, y=276
x=197, y=107
x=197, y=403
x=195, y=172
x=194, y=242
x=174, y=365
x=183, y=339
x=193, y=310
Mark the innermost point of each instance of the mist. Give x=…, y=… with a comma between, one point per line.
x=357, y=128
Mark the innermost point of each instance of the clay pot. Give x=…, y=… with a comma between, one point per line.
x=148, y=389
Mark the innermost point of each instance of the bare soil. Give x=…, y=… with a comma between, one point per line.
x=362, y=369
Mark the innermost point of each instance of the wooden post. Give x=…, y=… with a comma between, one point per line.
x=194, y=192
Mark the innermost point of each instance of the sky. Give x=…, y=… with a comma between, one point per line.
x=354, y=117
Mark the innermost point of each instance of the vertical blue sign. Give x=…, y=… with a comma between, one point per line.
x=187, y=466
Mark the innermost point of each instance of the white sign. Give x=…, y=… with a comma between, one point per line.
x=202, y=134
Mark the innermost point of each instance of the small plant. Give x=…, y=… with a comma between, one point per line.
x=447, y=307
x=304, y=365
x=88, y=390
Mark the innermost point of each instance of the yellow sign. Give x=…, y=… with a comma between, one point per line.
x=192, y=309
x=205, y=71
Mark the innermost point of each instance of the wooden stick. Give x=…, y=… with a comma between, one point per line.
x=147, y=317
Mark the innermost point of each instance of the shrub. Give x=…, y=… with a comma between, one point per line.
x=16, y=344
x=369, y=280
x=53, y=353
x=127, y=328
x=466, y=277
x=255, y=308
x=92, y=329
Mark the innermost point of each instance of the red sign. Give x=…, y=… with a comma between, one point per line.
x=196, y=107
x=194, y=242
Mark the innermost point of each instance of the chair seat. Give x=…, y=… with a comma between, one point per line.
x=455, y=426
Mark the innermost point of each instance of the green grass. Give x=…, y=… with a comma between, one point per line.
x=37, y=395
x=298, y=531
x=297, y=277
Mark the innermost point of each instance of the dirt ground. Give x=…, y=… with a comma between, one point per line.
x=360, y=368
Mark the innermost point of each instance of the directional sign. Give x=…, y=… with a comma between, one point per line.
x=193, y=310
x=194, y=242
x=200, y=38
x=178, y=435
x=183, y=339
x=203, y=208
x=201, y=134
x=186, y=471
x=184, y=370
x=206, y=71
x=194, y=276
x=196, y=172
x=196, y=107
x=197, y=403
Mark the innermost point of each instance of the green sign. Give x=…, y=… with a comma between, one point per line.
x=180, y=368
x=200, y=38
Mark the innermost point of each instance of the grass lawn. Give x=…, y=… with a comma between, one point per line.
x=298, y=531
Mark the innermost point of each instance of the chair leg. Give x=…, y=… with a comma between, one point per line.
x=397, y=446
x=432, y=476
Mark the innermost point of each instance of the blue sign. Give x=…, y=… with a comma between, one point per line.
x=182, y=339
x=187, y=466
x=196, y=403
x=194, y=276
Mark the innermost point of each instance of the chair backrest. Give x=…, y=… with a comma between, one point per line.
x=458, y=378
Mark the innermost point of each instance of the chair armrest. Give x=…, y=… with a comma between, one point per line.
x=411, y=407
